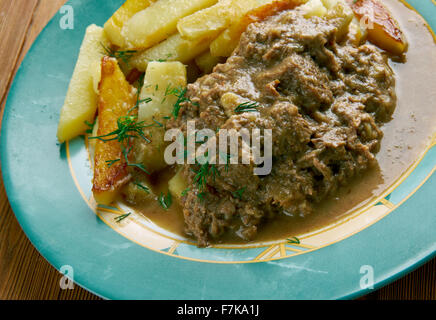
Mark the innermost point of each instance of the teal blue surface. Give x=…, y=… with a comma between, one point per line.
x=66, y=232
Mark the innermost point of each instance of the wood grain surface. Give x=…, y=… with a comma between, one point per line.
x=24, y=273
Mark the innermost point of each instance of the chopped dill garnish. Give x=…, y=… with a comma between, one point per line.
x=238, y=193
x=247, y=107
x=165, y=200
x=202, y=196
x=180, y=93
x=181, y=98
x=110, y=163
x=294, y=240
x=128, y=127
x=141, y=186
x=141, y=81
x=169, y=55
x=124, y=55
x=122, y=217
x=185, y=192
x=90, y=125
x=160, y=125
x=140, y=166
x=227, y=157
x=205, y=171
x=138, y=102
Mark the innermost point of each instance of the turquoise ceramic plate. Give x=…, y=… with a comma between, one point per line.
x=49, y=189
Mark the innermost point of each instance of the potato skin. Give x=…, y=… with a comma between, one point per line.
x=386, y=33
x=116, y=98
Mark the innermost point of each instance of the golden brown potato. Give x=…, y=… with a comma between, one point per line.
x=116, y=98
x=114, y=25
x=383, y=29
x=175, y=48
x=159, y=21
x=343, y=15
x=357, y=35
x=208, y=23
x=314, y=8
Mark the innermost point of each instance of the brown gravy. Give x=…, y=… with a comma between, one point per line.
x=405, y=138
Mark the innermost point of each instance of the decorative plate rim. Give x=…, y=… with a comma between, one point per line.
x=84, y=279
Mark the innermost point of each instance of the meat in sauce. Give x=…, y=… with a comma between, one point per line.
x=324, y=100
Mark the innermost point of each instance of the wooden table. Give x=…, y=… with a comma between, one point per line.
x=24, y=273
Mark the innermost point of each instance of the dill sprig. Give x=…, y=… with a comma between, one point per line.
x=227, y=157
x=247, y=107
x=293, y=240
x=141, y=186
x=202, y=196
x=138, y=102
x=122, y=217
x=168, y=56
x=180, y=93
x=139, y=166
x=90, y=125
x=238, y=193
x=157, y=123
x=165, y=200
x=128, y=127
x=138, y=93
x=205, y=171
x=185, y=192
x=110, y=163
x=124, y=55
x=181, y=98
x=202, y=175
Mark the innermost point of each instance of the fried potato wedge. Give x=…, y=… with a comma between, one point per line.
x=175, y=48
x=383, y=29
x=206, y=62
x=115, y=24
x=160, y=79
x=163, y=83
x=116, y=98
x=159, y=21
x=228, y=40
x=314, y=8
x=81, y=100
x=357, y=34
x=339, y=10
x=210, y=22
